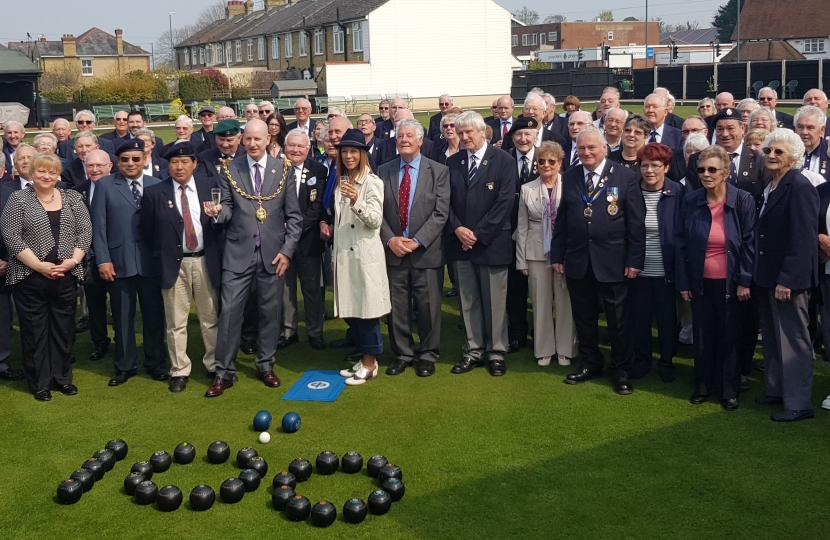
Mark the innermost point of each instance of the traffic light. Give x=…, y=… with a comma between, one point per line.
x=579, y=52
x=606, y=52
x=717, y=48
x=673, y=50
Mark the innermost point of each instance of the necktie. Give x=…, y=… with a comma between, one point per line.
x=733, y=173
x=190, y=239
x=28, y=185
x=575, y=160
x=525, y=171
x=403, y=197
x=473, y=168
x=589, y=183
x=136, y=193
x=257, y=179
x=653, y=137
x=807, y=158
x=504, y=129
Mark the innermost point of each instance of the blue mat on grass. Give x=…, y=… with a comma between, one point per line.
x=316, y=385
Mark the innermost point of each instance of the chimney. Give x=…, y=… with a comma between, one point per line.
x=69, y=46
x=271, y=4
x=235, y=7
x=249, y=7
x=119, y=41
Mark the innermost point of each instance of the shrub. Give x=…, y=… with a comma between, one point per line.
x=132, y=87
x=195, y=88
x=220, y=81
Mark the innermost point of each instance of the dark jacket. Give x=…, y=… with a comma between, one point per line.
x=209, y=164
x=312, y=188
x=692, y=238
x=668, y=208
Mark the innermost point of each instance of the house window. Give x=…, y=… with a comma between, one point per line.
x=194, y=54
x=209, y=55
x=220, y=54
x=260, y=48
x=357, y=36
x=187, y=57
x=514, y=41
x=288, y=46
x=238, y=50
x=813, y=45
x=529, y=39
x=86, y=67
x=303, y=44
x=275, y=47
x=610, y=36
x=318, y=42
x=552, y=36
x=338, y=39
x=250, y=50
x=542, y=39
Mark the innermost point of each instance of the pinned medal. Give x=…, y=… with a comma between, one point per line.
x=588, y=212
x=613, y=195
x=490, y=185
x=613, y=209
x=312, y=195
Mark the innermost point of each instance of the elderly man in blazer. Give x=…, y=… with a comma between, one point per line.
x=416, y=201
x=187, y=253
x=655, y=109
x=810, y=125
x=263, y=224
x=126, y=263
x=483, y=183
x=228, y=138
x=599, y=245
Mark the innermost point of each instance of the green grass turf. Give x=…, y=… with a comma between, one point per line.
x=522, y=456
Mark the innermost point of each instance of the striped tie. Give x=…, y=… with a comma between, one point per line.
x=473, y=168
x=575, y=160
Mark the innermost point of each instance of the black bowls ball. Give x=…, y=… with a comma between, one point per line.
x=390, y=470
x=251, y=479
x=218, y=452
x=298, y=508
x=374, y=464
x=281, y=495
x=285, y=478
x=379, y=502
x=131, y=482
x=86, y=478
x=202, y=498
x=352, y=462
x=107, y=457
x=146, y=492
x=244, y=455
x=323, y=514
x=258, y=464
x=144, y=468
x=169, y=498
x=70, y=491
x=327, y=463
x=355, y=510
x=232, y=490
x=118, y=447
x=184, y=453
x=161, y=461
x=301, y=469
x=395, y=488
x=95, y=467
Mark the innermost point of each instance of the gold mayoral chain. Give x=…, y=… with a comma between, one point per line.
x=261, y=214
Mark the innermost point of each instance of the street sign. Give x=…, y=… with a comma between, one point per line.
x=650, y=53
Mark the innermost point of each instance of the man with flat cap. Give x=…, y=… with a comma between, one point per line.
x=125, y=262
x=263, y=224
x=186, y=248
x=203, y=138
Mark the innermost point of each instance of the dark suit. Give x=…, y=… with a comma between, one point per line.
x=823, y=277
x=674, y=121
x=383, y=129
x=495, y=125
x=819, y=160
x=209, y=164
x=558, y=125
x=753, y=175
x=596, y=250
x=435, y=133
x=547, y=135
x=672, y=137
x=419, y=275
x=114, y=137
x=66, y=149
x=117, y=239
x=204, y=140
x=784, y=120
x=568, y=148
x=311, y=123
x=75, y=173
x=387, y=150
x=6, y=314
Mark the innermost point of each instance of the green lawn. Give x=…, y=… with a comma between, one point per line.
x=522, y=456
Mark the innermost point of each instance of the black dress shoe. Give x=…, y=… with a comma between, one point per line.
x=582, y=376
x=397, y=367
x=12, y=375
x=68, y=389
x=178, y=384
x=71, y=358
x=43, y=395
x=513, y=346
x=82, y=325
x=354, y=356
x=99, y=352
x=698, y=398
x=341, y=343
x=467, y=364
x=792, y=416
x=744, y=386
x=425, y=368
x=730, y=404
x=159, y=376
x=623, y=386
x=317, y=343
x=497, y=368
x=119, y=379
x=248, y=347
x=769, y=400
x=667, y=377
x=283, y=343
x=452, y=292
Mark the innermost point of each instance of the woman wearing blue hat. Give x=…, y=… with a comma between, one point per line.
x=361, y=290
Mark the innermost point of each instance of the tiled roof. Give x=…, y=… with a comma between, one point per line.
x=93, y=42
x=758, y=51
x=16, y=63
x=783, y=19
x=701, y=36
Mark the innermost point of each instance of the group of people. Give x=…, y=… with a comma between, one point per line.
x=645, y=217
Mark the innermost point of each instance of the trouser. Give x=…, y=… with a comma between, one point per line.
x=549, y=289
x=6, y=316
x=250, y=315
x=46, y=313
x=124, y=292
x=717, y=320
x=824, y=282
x=788, y=353
x=96, y=301
x=748, y=333
x=366, y=333
x=584, y=294
x=308, y=271
x=653, y=298
x=482, y=291
x=192, y=285
x=517, y=289
x=423, y=285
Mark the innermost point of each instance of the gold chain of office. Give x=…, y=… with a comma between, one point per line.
x=261, y=214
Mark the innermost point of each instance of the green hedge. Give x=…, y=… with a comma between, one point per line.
x=136, y=86
x=195, y=88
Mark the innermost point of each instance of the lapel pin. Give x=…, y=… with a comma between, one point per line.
x=156, y=167
x=484, y=162
x=462, y=162
x=170, y=204
x=746, y=173
x=490, y=185
x=273, y=171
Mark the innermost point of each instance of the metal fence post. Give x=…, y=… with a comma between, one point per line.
x=684, y=80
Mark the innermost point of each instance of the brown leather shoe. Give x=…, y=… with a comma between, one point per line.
x=219, y=387
x=270, y=379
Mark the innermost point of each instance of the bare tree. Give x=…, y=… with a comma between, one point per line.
x=526, y=15
x=164, y=57
x=554, y=19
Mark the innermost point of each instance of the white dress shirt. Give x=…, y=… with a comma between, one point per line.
x=195, y=212
x=479, y=154
x=529, y=156
x=298, y=175
x=597, y=174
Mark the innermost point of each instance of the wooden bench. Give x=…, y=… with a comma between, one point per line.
x=162, y=110
x=108, y=112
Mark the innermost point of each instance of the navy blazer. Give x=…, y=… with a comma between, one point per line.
x=75, y=173
x=312, y=189
x=162, y=229
x=824, y=169
x=784, y=120
x=674, y=121
x=786, y=251
x=204, y=140
x=434, y=133
x=672, y=137
x=383, y=129
x=610, y=244
x=692, y=238
x=547, y=135
x=209, y=164
x=668, y=208
x=824, y=203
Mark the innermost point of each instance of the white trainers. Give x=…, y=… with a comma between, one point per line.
x=564, y=360
x=544, y=361
x=362, y=375
x=351, y=371
x=826, y=403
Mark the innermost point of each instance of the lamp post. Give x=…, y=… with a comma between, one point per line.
x=174, y=60
x=646, y=33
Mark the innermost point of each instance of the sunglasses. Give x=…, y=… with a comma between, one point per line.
x=710, y=170
x=265, y=112
x=134, y=159
x=542, y=161
x=384, y=108
x=120, y=119
x=449, y=126
x=777, y=151
x=84, y=122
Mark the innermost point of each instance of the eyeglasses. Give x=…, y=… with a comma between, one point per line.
x=449, y=126
x=84, y=122
x=652, y=166
x=765, y=99
x=542, y=161
x=265, y=112
x=302, y=108
x=383, y=108
x=445, y=104
x=364, y=122
x=688, y=131
x=127, y=159
x=120, y=119
x=710, y=170
x=629, y=131
x=778, y=152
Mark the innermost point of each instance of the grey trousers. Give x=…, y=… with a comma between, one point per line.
x=483, y=294
x=424, y=286
x=788, y=353
x=307, y=270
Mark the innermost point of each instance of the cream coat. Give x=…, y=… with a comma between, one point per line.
x=529, y=245
x=361, y=289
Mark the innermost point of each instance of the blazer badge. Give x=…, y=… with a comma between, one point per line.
x=312, y=195
x=490, y=185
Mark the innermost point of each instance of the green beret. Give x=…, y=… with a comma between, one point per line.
x=227, y=128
